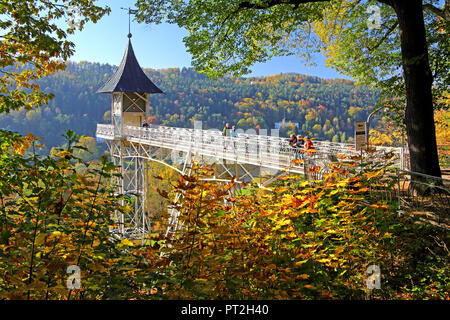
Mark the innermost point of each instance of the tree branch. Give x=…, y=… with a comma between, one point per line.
x=272, y=3
x=232, y=13
x=388, y=32
x=388, y=2
x=434, y=10
x=443, y=13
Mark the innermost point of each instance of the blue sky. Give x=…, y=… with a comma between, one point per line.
x=161, y=46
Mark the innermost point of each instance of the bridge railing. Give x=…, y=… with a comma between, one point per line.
x=421, y=196
x=271, y=151
x=257, y=150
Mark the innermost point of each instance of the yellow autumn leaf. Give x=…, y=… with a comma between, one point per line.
x=332, y=193
x=63, y=153
x=371, y=175
x=342, y=183
x=324, y=260
x=284, y=222
x=299, y=263
x=126, y=242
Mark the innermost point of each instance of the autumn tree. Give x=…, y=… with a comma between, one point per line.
x=353, y=50
x=55, y=212
x=34, y=45
x=386, y=133
x=227, y=37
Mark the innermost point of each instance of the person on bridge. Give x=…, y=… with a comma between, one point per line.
x=226, y=133
x=299, y=145
x=145, y=124
x=226, y=130
x=292, y=140
x=309, y=146
x=233, y=134
x=293, y=144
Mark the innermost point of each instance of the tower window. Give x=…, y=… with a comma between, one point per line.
x=133, y=103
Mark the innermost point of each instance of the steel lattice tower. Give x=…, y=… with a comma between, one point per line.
x=129, y=88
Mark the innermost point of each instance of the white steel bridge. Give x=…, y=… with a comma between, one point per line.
x=259, y=158
x=262, y=150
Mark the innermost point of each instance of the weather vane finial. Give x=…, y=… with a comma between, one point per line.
x=130, y=12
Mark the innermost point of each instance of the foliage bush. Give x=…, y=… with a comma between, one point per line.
x=56, y=211
x=304, y=240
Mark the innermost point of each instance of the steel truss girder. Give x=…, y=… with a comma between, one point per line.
x=132, y=159
x=240, y=158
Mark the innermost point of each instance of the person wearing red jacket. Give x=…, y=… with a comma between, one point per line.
x=309, y=146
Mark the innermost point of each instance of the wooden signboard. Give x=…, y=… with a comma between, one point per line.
x=360, y=134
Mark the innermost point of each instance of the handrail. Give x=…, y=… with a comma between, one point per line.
x=248, y=148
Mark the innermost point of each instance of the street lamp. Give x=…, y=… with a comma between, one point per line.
x=368, y=122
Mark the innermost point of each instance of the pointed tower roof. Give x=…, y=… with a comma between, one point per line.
x=129, y=76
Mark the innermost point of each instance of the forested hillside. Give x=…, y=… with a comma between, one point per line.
x=327, y=108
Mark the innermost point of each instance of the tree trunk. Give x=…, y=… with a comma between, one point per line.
x=419, y=117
